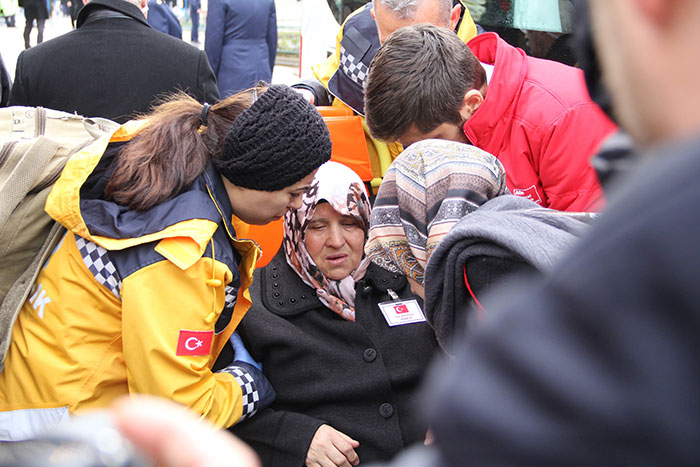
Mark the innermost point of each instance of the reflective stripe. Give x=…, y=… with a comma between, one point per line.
x=19, y=425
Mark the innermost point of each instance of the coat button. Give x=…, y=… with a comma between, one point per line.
x=386, y=410
x=303, y=297
x=369, y=355
x=276, y=294
x=275, y=275
x=275, y=284
x=292, y=300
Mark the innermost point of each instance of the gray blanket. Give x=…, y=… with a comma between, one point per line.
x=507, y=227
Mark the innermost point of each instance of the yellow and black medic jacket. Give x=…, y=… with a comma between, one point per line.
x=344, y=73
x=129, y=302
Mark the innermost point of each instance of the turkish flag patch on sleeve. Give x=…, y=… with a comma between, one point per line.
x=194, y=343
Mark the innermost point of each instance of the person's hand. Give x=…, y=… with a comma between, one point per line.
x=173, y=436
x=429, y=438
x=240, y=353
x=329, y=447
x=306, y=94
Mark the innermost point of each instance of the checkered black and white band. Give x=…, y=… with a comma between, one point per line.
x=97, y=261
x=352, y=67
x=249, y=391
x=231, y=293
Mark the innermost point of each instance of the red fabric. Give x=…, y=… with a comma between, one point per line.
x=194, y=342
x=479, y=307
x=540, y=122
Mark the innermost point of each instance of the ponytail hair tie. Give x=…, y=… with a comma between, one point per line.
x=205, y=114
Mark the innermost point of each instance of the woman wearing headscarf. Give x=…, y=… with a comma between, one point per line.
x=150, y=279
x=343, y=341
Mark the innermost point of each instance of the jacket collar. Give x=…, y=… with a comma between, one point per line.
x=219, y=196
x=120, y=6
x=510, y=67
x=285, y=294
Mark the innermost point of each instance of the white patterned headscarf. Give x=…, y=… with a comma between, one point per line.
x=430, y=186
x=340, y=187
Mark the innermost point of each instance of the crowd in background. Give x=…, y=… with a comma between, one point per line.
x=240, y=37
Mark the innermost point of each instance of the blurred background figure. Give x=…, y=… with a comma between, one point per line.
x=161, y=18
x=112, y=65
x=34, y=10
x=9, y=11
x=195, y=9
x=74, y=7
x=5, y=84
x=241, y=42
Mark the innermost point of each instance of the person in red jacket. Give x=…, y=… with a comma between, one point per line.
x=534, y=115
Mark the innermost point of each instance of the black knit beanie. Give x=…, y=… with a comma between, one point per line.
x=275, y=143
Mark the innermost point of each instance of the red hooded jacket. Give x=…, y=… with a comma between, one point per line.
x=539, y=121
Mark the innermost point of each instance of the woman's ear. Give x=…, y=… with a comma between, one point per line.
x=471, y=102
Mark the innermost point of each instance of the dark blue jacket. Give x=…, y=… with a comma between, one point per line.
x=161, y=18
x=241, y=42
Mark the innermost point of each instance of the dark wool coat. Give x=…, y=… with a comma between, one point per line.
x=113, y=65
x=597, y=364
x=359, y=377
x=37, y=9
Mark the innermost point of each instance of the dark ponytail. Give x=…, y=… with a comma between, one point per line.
x=172, y=150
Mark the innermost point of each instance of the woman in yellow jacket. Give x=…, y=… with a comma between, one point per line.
x=150, y=281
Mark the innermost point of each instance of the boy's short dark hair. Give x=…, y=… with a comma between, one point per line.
x=419, y=77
